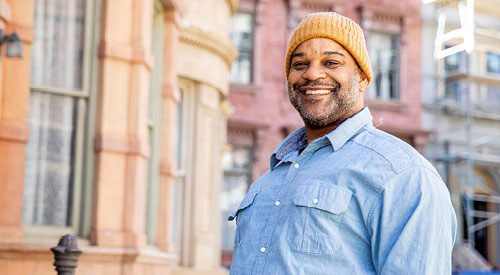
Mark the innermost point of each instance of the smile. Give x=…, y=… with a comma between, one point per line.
x=317, y=92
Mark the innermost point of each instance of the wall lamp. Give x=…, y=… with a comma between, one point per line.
x=14, y=44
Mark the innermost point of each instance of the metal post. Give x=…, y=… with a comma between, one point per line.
x=66, y=255
x=469, y=207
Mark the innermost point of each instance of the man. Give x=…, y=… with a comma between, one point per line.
x=341, y=197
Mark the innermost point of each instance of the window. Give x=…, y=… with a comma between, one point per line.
x=242, y=28
x=184, y=133
x=237, y=164
x=453, y=90
x=180, y=159
x=155, y=101
x=384, y=53
x=493, y=63
x=491, y=99
x=59, y=103
x=454, y=63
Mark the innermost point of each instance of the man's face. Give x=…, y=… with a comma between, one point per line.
x=324, y=83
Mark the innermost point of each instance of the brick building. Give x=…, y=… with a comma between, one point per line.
x=263, y=115
x=109, y=127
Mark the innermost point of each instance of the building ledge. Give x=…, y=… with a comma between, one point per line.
x=390, y=105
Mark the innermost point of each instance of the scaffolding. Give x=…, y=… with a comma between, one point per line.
x=465, y=35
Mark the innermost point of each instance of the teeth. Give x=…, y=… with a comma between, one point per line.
x=317, y=92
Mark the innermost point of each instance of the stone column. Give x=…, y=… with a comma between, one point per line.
x=121, y=141
x=171, y=99
x=14, y=102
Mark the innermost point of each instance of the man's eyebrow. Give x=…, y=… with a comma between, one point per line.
x=299, y=54
x=334, y=53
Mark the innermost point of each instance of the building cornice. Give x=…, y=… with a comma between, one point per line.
x=209, y=42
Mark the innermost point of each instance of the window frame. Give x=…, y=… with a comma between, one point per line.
x=154, y=123
x=183, y=174
x=251, y=52
x=84, y=129
x=372, y=92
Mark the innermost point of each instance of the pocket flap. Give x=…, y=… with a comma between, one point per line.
x=246, y=202
x=334, y=199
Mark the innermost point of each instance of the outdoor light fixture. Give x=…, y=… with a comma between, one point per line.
x=14, y=44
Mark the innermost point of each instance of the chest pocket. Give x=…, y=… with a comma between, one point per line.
x=317, y=218
x=243, y=216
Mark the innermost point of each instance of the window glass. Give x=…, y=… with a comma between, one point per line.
x=242, y=36
x=58, y=46
x=154, y=123
x=49, y=161
x=384, y=54
x=237, y=177
x=493, y=63
x=180, y=180
x=54, y=115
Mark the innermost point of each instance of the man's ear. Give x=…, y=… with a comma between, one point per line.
x=363, y=80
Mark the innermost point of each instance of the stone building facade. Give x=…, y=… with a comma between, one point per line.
x=111, y=125
x=262, y=114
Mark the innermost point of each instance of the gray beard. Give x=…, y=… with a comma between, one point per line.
x=338, y=107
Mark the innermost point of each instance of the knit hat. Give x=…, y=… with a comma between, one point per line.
x=336, y=27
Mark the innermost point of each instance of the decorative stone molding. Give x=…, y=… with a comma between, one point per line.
x=14, y=131
x=209, y=42
x=380, y=18
x=131, y=145
x=124, y=52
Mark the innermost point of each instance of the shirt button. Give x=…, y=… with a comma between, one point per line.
x=296, y=165
x=262, y=249
x=315, y=201
x=277, y=203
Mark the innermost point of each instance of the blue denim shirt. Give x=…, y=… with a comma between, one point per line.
x=356, y=201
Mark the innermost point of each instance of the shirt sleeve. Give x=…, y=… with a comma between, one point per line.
x=413, y=225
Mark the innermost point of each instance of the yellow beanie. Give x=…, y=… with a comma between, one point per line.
x=336, y=27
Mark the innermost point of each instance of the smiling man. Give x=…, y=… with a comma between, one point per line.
x=341, y=197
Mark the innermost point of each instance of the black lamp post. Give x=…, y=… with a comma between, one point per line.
x=14, y=44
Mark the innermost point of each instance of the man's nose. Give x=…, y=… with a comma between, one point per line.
x=314, y=72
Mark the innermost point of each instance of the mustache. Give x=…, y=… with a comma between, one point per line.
x=333, y=84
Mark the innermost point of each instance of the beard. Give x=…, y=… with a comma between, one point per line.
x=336, y=108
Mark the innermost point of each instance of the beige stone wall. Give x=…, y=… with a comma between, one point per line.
x=197, y=49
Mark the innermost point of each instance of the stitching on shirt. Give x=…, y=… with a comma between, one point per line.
x=413, y=160
x=376, y=133
x=378, y=153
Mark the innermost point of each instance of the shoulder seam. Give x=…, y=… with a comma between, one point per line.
x=372, y=131
x=378, y=153
x=369, y=218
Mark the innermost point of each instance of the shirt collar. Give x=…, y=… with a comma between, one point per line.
x=295, y=141
x=337, y=137
x=349, y=128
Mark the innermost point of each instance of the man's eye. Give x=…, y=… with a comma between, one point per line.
x=299, y=65
x=331, y=63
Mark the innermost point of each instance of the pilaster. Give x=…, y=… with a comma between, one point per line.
x=14, y=101
x=121, y=141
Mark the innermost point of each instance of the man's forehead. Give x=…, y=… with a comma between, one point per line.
x=325, y=45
